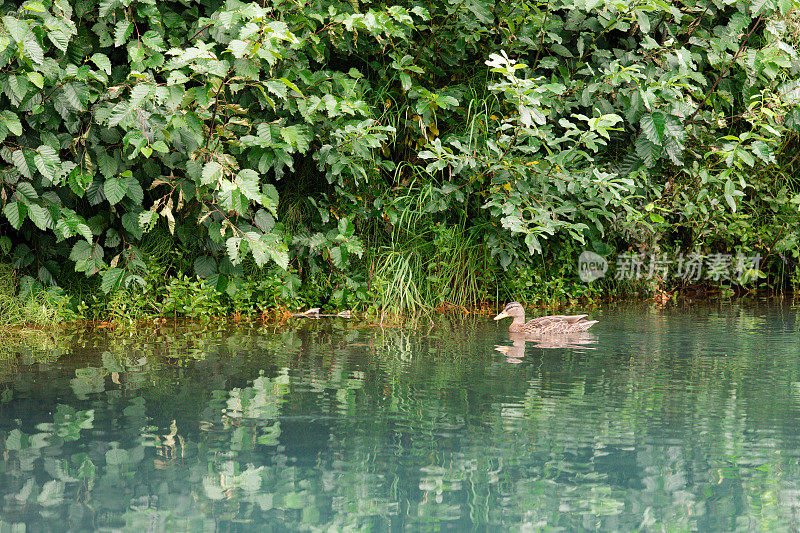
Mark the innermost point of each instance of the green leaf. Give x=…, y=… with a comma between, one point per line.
x=232, y=246
x=212, y=173
x=122, y=32
x=346, y=227
x=112, y=278
x=730, y=190
x=26, y=192
x=40, y=216
x=52, y=494
x=102, y=62
x=17, y=28
x=405, y=81
x=79, y=180
x=11, y=121
x=15, y=213
x=653, y=127
x=231, y=198
x=277, y=250
x=746, y=156
x=763, y=151
x=88, y=258
x=264, y=221
x=130, y=221
x=134, y=191
x=115, y=188
x=247, y=181
x=238, y=48
x=292, y=86
x=46, y=161
x=35, y=6
x=160, y=146
x=33, y=49
x=296, y=137
x=117, y=456
x=205, y=266
x=36, y=78
x=120, y=114
x=18, y=157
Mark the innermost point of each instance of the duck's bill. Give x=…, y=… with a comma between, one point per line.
x=501, y=315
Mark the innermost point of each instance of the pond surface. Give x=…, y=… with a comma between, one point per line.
x=662, y=419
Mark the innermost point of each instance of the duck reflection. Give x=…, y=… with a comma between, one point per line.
x=515, y=352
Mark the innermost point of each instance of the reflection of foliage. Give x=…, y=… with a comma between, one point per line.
x=317, y=425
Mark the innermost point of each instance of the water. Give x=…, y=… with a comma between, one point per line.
x=675, y=419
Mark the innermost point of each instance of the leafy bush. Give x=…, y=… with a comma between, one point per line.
x=632, y=124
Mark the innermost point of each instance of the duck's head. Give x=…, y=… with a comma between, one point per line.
x=513, y=309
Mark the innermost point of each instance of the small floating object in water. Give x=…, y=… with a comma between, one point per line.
x=311, y=313
x=314, y=313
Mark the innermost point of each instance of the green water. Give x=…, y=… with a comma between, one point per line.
x=675, y=419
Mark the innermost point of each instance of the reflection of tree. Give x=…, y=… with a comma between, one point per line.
x=677, y=425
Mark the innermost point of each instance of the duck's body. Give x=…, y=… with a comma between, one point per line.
x=544, y=325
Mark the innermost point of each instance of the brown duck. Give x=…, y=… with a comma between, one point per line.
x=544, y=325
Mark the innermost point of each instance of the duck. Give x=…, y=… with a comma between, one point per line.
x=544, y=325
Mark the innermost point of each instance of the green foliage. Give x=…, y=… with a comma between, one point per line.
x=631, y=124
x=191, y=298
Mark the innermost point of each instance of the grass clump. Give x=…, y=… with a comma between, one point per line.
x=33, y=305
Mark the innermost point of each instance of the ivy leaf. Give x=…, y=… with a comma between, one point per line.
x=115, y=188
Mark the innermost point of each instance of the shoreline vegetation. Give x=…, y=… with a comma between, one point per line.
x=202, y=159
